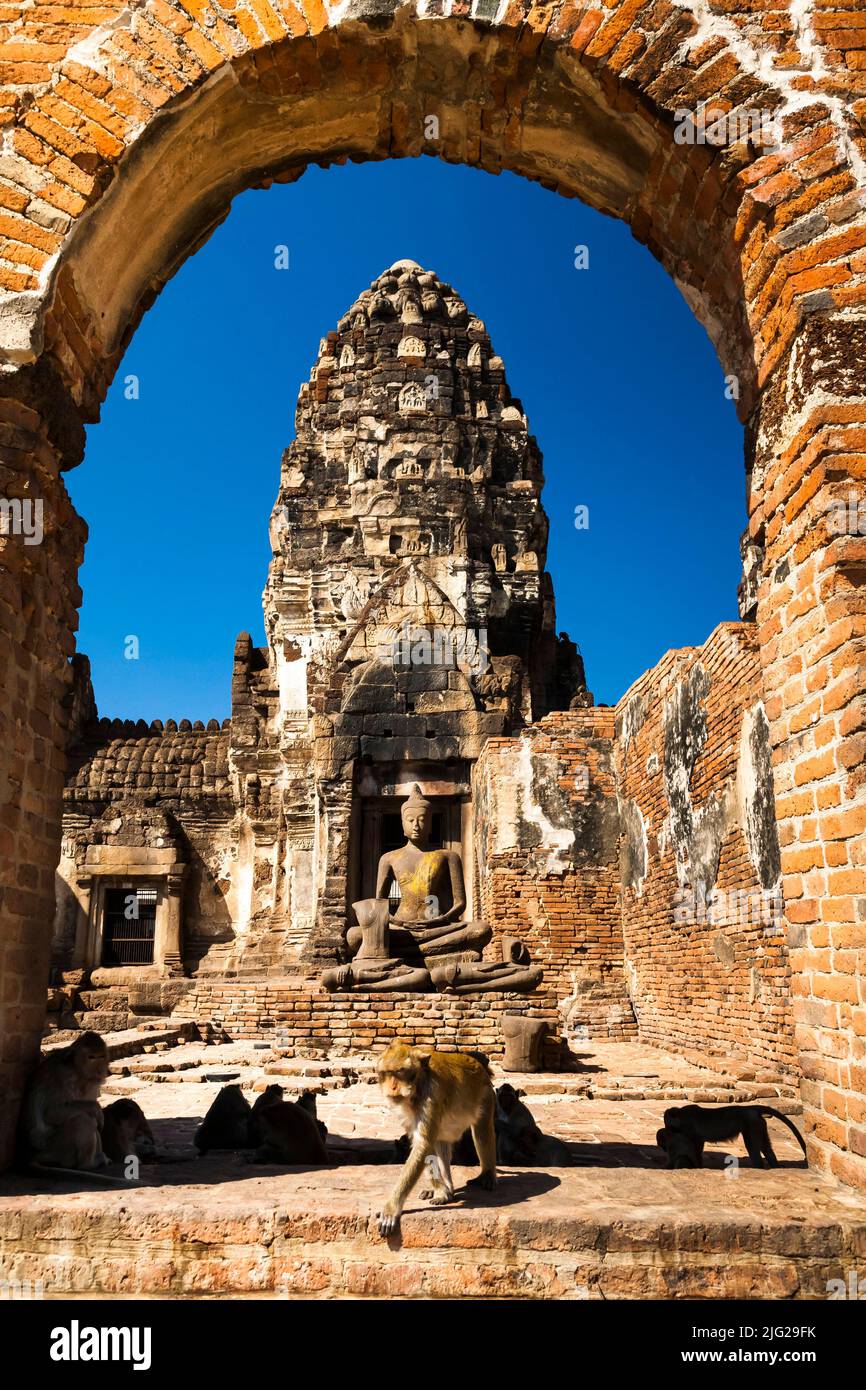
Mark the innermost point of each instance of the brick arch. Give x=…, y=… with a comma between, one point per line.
x=149, y=126
x=123, y=149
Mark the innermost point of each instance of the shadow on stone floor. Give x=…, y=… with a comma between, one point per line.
x=513, y=1185
x=609, y=1154
x=180, y=1165
x=578, y=1066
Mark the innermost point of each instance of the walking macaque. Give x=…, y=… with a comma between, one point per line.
x=126, y=1133
x=439, y=1095
x=289, y=1134
x=225, y=1126
x=61, y=1120
x=688, y=1127
x=519, y=1140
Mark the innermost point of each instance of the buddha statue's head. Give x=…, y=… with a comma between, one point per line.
x=416, y=815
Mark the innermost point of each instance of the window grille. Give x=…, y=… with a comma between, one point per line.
x=128, y=929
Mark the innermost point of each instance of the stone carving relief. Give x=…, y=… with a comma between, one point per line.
x=411, y=347
x=412, y=397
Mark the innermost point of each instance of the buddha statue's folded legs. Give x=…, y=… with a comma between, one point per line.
x=412, y=942
x=485, y=977
x=383, y=975
x=437, y=941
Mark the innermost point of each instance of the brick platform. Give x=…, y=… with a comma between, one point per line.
x=298, y=1015
x=568, y=1233
x=616, y=1225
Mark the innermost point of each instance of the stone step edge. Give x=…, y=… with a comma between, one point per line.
x=129, y=1042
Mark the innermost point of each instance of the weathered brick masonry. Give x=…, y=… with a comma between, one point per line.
x=704, y=940
x=769, y=246
x=298, y=1015
x=547, y=846
x=183, y=768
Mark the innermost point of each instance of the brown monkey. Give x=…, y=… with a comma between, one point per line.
x=307, y=1101
x=289, y=1135
x=61, y=1120
x=225, y=1126
x=126, y=1133
x=439, y=1095
x=688, y=1127
x=518, y=1138
x=271, y=1095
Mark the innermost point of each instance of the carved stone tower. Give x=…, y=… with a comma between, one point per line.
x=408, y=611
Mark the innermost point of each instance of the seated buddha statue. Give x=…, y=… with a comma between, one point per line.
x=394, y=953
x=432, y=894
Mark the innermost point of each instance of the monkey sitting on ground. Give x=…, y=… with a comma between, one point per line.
x=688, y=1127
x=126, y=1133
x=439, y=1095
x=289, y=1134
x=271, y=1095
x=61, y=1120
x=225, y=1126
x=519, y=1140
x=307, y=1101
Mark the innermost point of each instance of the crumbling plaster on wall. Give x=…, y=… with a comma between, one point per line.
x=755, y=797
x=634, y=849
x=696, y=832
x=529, y=810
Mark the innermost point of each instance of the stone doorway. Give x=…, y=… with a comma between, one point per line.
x=129, y=925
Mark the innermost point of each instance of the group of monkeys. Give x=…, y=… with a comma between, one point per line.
x=63, y=1127
x=441, y=1095
x=445, y=1101
x=279, y=1131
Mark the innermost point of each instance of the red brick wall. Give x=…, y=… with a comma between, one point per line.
x=38, y=601
x=706, y=951
x=299, y=1015
x=546, y=849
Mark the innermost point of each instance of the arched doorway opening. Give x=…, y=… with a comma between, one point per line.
x=763, y=243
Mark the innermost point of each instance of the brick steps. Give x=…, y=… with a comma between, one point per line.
x=127, y=1042
x=564, y=1234
x=298, y=1074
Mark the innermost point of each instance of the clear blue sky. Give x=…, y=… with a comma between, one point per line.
x=622, y=388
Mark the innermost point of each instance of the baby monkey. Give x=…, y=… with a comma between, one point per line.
x=439, y=1095
x=688, y=1127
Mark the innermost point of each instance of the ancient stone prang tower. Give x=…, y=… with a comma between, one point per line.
x=408, y=610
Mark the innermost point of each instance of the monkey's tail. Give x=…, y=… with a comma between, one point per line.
x=91, y=1174
x=768, y=1111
